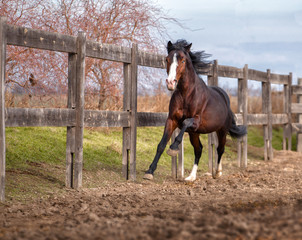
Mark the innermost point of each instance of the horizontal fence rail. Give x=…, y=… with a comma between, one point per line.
x=26, y=37
x=61, y=117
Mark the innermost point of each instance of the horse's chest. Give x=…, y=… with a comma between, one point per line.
x=188, y=110
x=185, y=108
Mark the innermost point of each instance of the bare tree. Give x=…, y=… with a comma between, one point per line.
x=120, y=22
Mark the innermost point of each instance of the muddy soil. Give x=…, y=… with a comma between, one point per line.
x=262, y=202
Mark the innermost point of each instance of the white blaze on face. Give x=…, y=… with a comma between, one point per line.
x=172, y=74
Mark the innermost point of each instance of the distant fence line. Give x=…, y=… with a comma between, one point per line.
x=75, y=117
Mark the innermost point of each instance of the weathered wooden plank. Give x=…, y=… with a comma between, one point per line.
x=70, y=134
x=108, y=52
x=212, y=153
x=123, y=54
x=151, y=60
x=177, y=165
x=242, y=108
x=213, y=74
x=287, y=138
x=280, y=118
x=279, y=79
x=257, y=119
x=133, y=113
x=269, y=143
x=230, y=72
x=79, y=128
x=297, y=89
x=95, y=118
x=257, y=75
x=262, y=119
x=3, y=40
x=296, y=108
x=239, y=119
x=126, y=130
x=30, y=117
x=174, y=158
x=299, y=130
x=181, y=160
x=151, y=119
x=61, y=117
x=27, y=37
x=265, y=110
x=289, y=113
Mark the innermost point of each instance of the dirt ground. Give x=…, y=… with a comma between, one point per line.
x=262, y=202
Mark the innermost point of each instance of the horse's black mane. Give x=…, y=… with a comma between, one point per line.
x=198, y=58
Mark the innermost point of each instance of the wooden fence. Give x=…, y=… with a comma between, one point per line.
x=75, y=117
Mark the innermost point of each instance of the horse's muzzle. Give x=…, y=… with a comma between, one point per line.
x=171, y=85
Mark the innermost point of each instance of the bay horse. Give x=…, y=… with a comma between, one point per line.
x=194, y=107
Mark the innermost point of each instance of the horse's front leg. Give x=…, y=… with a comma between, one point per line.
x=187, y=123
x=169, y=128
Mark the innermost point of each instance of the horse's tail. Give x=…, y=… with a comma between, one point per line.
x=236, y=131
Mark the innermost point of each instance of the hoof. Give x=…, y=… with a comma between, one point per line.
x=172, y=152
x=218, y=174
x=190, y=179
x=148, y=176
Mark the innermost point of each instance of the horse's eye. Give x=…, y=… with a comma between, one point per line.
x=183, y=61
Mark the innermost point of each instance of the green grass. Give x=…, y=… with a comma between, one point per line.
x=255, y=138
x=25, y=145
x=35, y=157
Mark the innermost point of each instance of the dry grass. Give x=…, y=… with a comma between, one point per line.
x=146, y=103
x=255, y=103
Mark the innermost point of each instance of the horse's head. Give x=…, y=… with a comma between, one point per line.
x=176, y=64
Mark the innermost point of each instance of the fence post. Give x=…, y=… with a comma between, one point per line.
x=133, y=113
x=174, y=159
x=264, y=87
x=287, y=131
x=126, y=130
x=269, y=118
x=180, y=164
x=267, y=109
x=79, y=129
x=212, y=142
x=71, y=104
x=242, y=108
x=3, y=41
x=299, y=134
x=177, y=165
x=289, y=111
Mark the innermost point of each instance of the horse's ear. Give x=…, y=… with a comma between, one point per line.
x=188, y=47
x=169, y=46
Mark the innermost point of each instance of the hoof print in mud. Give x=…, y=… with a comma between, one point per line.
x=172, y=152
x=148, y=176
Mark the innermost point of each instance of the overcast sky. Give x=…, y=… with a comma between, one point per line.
x=265, y=34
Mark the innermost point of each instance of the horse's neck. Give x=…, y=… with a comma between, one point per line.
x=191, y=82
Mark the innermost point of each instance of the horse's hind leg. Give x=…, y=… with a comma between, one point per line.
x=194, y=139
x=221, y=134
